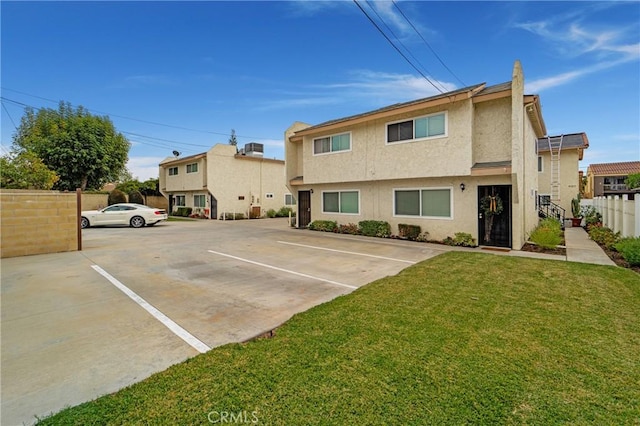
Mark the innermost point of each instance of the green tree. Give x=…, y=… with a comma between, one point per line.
x=633, y=181
x=84, y=150
x=232, y=139
x=25, y=171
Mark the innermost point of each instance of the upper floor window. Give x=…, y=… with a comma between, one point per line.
x=333, y=143
x=430, y=126
x=192, y=168
x=173, y=171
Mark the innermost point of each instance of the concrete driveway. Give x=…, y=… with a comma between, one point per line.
x=78, y=325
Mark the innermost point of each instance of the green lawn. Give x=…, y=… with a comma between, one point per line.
x=464, y=338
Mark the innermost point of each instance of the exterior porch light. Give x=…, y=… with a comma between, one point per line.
x=462, y=187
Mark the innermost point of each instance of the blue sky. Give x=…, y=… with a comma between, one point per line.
x=181, y=75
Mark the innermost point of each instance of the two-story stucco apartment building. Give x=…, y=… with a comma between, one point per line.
x=224, y=181
x=444, y=163
x=558, y=168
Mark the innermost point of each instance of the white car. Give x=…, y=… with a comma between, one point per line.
x=134, y=215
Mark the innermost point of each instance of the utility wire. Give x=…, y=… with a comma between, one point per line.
x=405, y=47
x=158, y=145
x=7, y=111
x=396, y=47
x=426, y=42
x=138, y=119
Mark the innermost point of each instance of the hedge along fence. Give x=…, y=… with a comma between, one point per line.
x=38, y=222
x=98, y=200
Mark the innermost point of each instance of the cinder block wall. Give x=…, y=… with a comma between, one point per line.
x=37, y=222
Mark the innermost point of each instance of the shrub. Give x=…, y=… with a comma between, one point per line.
x=604, y=236
x=591, y=216
x=284, y=212
x=548, y=233
x=116, y=196
x=350, y=228
x=323, y=225
x=183, y=211
x=232, y=216
x=630, y=249
x=136, y=197
x=375, y=228
x=461, y=239
x=271, y=213
x=410, y=232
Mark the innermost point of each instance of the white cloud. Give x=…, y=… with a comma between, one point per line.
x=604, y=48
x=144, y=168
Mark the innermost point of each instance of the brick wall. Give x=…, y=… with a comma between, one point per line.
x=37, y=222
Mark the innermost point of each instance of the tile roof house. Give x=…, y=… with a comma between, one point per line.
x=462, y=161
x=558, y=164
x=224, y=181
x=608, y=178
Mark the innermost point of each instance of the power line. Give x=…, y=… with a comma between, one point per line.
x=402, y=44
x=138, y=119
x=396, y=47
x=157, y=145
x=7, y=111
x=426, y=42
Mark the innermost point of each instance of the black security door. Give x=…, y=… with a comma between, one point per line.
x=304, y=208
x=214, y=207
x=494, y=215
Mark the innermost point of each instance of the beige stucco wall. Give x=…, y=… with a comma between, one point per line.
x=371, y=158
x=231, y=178
x=37, y=222
x=569, y=179
x=530, y=181
x=184, y=181
x=377, y=198
x=492, y=131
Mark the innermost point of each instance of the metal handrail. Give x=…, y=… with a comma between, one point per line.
x=550, y=209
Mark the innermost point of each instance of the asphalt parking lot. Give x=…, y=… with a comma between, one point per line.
x=136, y=301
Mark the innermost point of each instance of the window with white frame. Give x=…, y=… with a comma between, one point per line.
x=173, y=171
x=345, y=202
x=268, y=195
x=289, y=200
x=192, y=168
x=540, y=164
x=429, y=202
x=545, y=199
x=180, y=200
x=199, y=200
x=430, y=126
x=335, y=143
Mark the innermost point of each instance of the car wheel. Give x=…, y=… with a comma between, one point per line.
x=84, y=223
x=136, y=222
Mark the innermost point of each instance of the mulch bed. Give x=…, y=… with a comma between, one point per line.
x=537, y=249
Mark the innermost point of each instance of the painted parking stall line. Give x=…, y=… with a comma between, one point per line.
x=348, y=252
x=193, y=341
x=283, y=270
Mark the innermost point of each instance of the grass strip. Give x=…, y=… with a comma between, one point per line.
x=461, y=338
